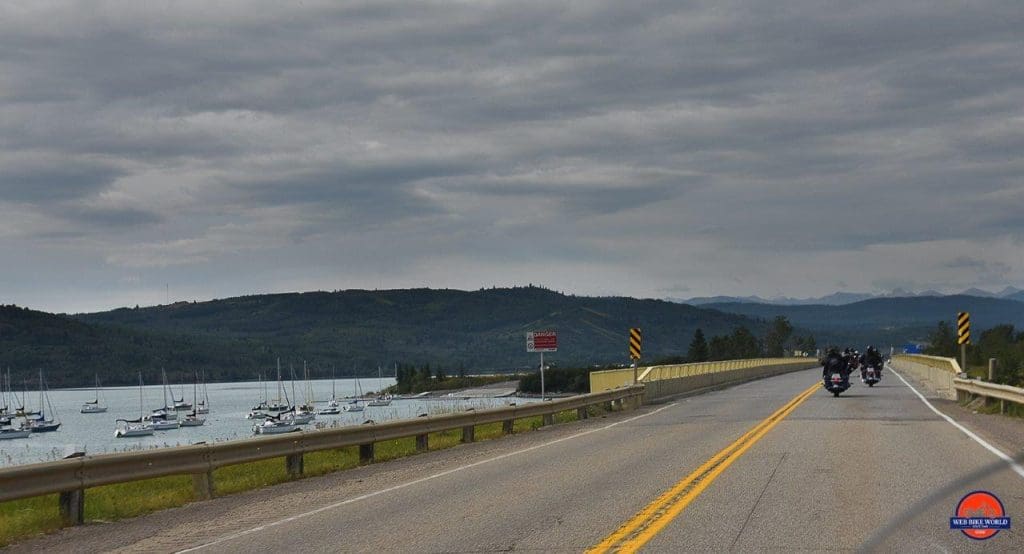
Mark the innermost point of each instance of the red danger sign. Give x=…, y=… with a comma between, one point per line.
x=541, y=341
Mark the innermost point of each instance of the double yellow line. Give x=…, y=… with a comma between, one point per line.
x=642, y=527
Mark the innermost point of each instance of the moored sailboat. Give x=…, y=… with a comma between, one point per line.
x=382, y=399
x=203, y=407
x=94, y=406
x=192, y=418
x=43, y=425
x=333, y=408
x=133, y=427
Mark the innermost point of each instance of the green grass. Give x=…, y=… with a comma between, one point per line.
x=20, y=519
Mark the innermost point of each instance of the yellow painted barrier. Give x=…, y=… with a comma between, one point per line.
x=666, y=380
x=934, y=372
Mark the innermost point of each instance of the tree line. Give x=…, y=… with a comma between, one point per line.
x=1002, y=342
x=740, y=344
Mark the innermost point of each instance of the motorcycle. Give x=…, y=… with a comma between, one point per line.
x=871, y=376
x=837, y=383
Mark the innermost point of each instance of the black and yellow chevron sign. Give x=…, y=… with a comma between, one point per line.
x=635, y=341
x=963, y=328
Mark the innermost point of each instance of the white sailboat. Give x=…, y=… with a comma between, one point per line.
x=133, y=427
x=382, y=399
x=6, y=412
x=94, y=406
x=354, y=405
x=297, y=415
x=192, y=418
x=6, y=434
x=167, y=412
x=179, y=403
x=203, y=407
x=274, y=426
x=333, y=408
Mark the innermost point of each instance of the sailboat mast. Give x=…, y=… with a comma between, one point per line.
x=279, y=379
x=164, y=371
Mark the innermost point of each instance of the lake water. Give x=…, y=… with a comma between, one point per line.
x=229, y=404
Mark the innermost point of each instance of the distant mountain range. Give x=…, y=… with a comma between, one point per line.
x=841, y=298
x=885, y=320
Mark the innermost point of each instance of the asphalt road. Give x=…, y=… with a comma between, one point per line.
x=825, y=478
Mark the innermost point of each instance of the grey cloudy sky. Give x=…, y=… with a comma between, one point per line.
x=661, y=148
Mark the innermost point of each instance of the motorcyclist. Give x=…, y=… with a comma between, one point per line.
x=834, y=363
x=871, y=358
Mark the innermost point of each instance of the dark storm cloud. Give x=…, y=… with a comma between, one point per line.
x=608, y=133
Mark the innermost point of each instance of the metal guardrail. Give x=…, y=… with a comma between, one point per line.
x=963, y=388
x=71, y=477
x=974, y=387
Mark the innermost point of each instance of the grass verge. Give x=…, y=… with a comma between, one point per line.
x=20, y=519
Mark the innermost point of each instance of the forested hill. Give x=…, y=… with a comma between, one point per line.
x=236, y=338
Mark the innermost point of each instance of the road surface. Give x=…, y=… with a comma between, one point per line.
x=824, y=476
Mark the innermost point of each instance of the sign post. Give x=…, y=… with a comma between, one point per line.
x=542, y=341
x=635, y=343
x=963, y=336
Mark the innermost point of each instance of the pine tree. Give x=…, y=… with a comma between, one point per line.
x=698, y=351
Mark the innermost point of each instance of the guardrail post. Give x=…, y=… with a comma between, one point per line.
x=422, y=443
x=365, y=453
x=72, y=503
x=581, y=413
x=72, y=507
x=467, y=433
x=548, y=419
x=294, y=464
x=507, y=426
x=991, y=370
x=202, y=485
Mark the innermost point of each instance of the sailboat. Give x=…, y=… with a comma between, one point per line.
x=333, y=408
x=93, y=406
x=14, y=433
x=133, y=427
x=179, y=403
x=308, y=407
x=43, y=425
x=167, y=412
x=192, y=418
x=166, y=418
x=354, y=405
x=261, y=411
x=203, y=407
x=297, y=415
x=6, y=416
x=21, y=410
x=5, y=407
x=382, y=399
x=274, y=426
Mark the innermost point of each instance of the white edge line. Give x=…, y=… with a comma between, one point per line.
x=999, y=453
x=239, y=534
